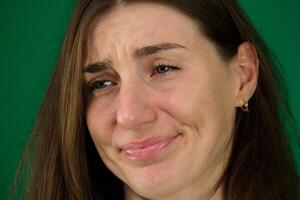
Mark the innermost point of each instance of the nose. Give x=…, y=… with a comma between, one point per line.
x=135, y=109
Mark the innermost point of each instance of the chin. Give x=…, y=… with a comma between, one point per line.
x=163, y=175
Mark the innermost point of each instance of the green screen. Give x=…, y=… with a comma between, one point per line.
x=31, y=34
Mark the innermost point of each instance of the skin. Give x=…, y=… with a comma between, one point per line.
x=194, y=102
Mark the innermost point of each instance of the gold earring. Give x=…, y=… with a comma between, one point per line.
x=244, y=107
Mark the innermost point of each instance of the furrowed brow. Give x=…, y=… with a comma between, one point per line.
x=148, y=50
x=97, y=67
x=138, y=53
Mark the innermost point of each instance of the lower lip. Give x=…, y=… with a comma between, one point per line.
x=149, y=152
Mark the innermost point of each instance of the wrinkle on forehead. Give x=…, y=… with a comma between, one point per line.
x=136, y=25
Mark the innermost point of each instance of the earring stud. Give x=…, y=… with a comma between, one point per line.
x=245, y=107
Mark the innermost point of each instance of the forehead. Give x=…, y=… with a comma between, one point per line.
x=140, y=24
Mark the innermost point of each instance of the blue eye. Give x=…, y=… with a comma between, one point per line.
x=164, y=69
x=99, y=85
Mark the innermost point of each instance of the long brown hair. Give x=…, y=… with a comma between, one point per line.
x=61, y=158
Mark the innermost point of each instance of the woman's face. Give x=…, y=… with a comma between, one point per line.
x=161, y=104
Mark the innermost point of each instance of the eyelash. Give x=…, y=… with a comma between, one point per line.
x=92, y=85
x=170, y=67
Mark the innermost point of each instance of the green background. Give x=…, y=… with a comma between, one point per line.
x=31, y=33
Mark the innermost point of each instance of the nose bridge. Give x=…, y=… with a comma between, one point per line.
x=134, y=107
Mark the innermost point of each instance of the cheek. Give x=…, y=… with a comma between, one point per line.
x=203, y=103
x=190, y=100
x=97, y=119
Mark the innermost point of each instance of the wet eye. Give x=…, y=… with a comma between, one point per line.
x=164, y=69
x=99, y=85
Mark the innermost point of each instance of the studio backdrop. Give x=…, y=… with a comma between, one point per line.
x=31, y=34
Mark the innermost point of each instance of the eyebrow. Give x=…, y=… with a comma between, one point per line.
x=138, y=53
x=152, y=49
x=97, y=67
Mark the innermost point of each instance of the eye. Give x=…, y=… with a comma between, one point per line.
x=99, y=85
x=163, y=69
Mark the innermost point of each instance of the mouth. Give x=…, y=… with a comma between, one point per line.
x=147, y=149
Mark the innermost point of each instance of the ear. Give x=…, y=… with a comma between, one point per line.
x=246, y=70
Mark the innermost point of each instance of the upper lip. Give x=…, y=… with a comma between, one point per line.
x=143, y=143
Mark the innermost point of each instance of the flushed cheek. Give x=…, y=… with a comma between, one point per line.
x=99, y=124
x=197, y=106
x=185, y=102
x=101, y=135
